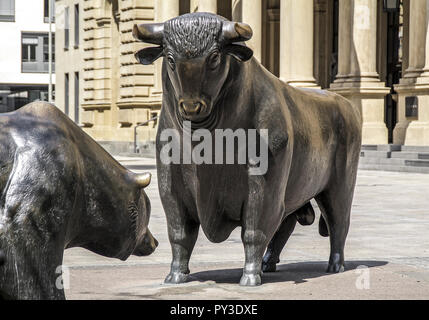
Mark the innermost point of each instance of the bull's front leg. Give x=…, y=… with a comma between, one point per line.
x=257, y=230
x=183, y=234
x=182, y=229
x=254, y=246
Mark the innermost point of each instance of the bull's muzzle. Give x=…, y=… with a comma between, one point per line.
x=146, y=246
x=193, y=110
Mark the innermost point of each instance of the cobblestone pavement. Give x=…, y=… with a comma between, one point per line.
x=387, y=254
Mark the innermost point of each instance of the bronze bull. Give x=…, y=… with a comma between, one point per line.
x=211, y=79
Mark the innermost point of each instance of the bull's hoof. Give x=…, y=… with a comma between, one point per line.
x=336, y=263
x=269, y=267
x=250, y=280
x=176, y=278
x=269, y=262
x=335, y=268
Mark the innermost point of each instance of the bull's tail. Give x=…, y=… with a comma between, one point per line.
x=323, y=227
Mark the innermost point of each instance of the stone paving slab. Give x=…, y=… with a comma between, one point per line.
x=294, y=280
x=389, y=234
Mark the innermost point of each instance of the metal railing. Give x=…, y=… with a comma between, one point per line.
x=141, y=125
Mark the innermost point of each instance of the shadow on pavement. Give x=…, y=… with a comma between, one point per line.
x=296, y=272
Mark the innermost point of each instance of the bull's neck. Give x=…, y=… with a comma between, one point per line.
x=236, y=99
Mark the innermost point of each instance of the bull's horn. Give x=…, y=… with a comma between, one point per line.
x=236, y=31
x=143, y=180
x=149, y=32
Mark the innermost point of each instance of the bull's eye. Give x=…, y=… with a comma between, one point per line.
x=171, y=62
x=214, y=60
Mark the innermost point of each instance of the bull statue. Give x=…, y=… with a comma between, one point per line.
x=314, y=138
x=59, y=189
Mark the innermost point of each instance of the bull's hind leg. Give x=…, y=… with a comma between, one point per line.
x=305, y=216
x=335, y=205
x=272, y=256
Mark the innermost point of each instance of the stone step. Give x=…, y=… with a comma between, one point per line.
x=394, y=168
x=381, y=147
x=422, y=149
x=382, y=161
x=395, y=161
x=424, y=156
x=395, y=158
x=375, y=154
x=369, y=147
x=409, y=155
x=417, y=163
x=404, y=155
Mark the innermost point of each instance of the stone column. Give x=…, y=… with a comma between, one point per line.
x=403, y=122
x=296, y=42
x=344, y=41
x=417, y=39
x=425, y=75
x=194, y=5
x=250, y=12
x=168, y=9
x=363, y=63
x=207, y=6
x=357, y=77
x=416, y=78
x=164, y=10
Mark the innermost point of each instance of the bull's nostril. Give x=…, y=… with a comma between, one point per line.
x=191, y=108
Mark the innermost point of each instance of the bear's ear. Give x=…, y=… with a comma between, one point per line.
x=149, y=55
x=239, y=52
x=143, y=180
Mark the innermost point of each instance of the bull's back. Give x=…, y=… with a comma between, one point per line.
x=326, y=128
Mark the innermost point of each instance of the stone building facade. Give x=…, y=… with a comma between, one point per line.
x=356, y=48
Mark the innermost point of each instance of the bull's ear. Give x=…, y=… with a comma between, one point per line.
x=148, y=55
x=239, y=52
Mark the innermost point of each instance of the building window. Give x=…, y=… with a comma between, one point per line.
x=35, y=52
x=29, y=46
x=46, y=11
x=66, y=94
x=76, y=25
x=7, y=10
x=46, y=48
x=66, y=28
x=76, y=97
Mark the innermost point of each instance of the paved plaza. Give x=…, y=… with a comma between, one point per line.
x=387, y=253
